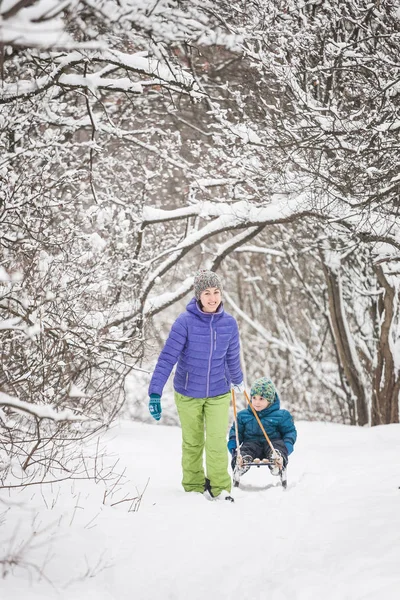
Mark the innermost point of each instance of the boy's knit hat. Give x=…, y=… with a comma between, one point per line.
x=265, y=388
x=205, y=279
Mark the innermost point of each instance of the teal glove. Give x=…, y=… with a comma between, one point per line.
x=232, y=446
x=155, y=406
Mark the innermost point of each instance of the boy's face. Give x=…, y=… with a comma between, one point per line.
x=259, y=403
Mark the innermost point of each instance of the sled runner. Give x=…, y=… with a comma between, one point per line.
x=242, y=465
x=240, y=470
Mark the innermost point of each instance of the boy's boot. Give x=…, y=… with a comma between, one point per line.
x=278, y=463
x=245, y=466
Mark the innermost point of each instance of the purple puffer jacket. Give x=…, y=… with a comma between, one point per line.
x=207, y=349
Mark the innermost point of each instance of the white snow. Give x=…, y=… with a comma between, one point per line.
x=261, y=250
x=75, y=392
x=23, y=29
x=155, y=302
x=246, y=133
x=333, y=534
x=97, y=242
x=4, y=276
x=11, y=323
x=142, y=63
x=94, y=81
x=38, y=25
x=280, y=207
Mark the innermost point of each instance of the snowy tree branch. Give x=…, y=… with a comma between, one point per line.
x=41, y=412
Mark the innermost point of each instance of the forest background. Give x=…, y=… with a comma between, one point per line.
x=141, y=140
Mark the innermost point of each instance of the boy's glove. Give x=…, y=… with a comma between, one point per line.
x=232, y=447
x=289, y=447
x=155, y=406
x=238, y=387
x=233, y=459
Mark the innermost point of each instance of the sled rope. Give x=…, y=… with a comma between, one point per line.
x=236, y=424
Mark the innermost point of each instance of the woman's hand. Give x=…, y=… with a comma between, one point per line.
x=155, y=406
x=238, y=387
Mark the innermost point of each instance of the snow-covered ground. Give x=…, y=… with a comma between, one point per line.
x=333, y=534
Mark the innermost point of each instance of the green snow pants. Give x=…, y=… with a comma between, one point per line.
x=204, y=423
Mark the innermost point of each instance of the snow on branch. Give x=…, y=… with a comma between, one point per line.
x=152, y=214
x=239, y=215
x=11, y=323
x=25, y=88
x=156, y=304
x=235, y=214
x=161, y=71
x=139, y=62
x=142, y=63
x=281, y=209
x=25, y=24
x=168, y=22
x=41, y=412
x=261, y=250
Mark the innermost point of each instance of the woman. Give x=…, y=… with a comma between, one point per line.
x=204, y=341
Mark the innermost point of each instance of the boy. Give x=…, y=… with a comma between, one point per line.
x=278, y=424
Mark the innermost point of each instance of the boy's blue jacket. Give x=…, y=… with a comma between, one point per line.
x=278, y=424
x=207, y=349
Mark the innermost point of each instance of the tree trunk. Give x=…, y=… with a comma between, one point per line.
x=344, y=343
x=386, y=380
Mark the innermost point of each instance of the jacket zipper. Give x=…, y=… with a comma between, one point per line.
x=209, y=358
x=187, y=381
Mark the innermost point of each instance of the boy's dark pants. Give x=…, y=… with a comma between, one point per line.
x=262, y=450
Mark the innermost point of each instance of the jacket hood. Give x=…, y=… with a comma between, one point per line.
x=276, y=405
x=194, y=307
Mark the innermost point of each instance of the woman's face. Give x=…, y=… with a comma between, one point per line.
x=210, y=299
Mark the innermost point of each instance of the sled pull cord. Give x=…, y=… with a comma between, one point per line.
x=258, y=420
x=236, y=424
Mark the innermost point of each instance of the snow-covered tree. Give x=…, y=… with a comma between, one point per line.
x=301, y=124
x=80, y=156
x=148, y=138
